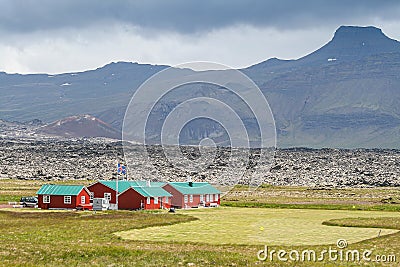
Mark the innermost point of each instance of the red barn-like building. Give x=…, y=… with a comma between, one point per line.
x=140, y=197
x=52, y=196
x=193, y=194
x=132, y=194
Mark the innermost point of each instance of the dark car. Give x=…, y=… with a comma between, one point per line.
x=29, y=201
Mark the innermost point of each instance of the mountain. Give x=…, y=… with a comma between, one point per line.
x=344, y=94
x=80, y=126
x=53, y=97
x=353, y=43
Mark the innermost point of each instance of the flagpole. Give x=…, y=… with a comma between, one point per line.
x=116, y=193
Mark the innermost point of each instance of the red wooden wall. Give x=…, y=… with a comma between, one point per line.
x=99, y=189
x=57, y=202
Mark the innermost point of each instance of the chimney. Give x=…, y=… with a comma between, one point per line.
x=189, y=180
x=148, y=184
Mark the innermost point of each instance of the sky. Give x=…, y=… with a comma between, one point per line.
x=47, y=36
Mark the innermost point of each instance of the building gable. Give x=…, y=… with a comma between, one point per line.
x=123, y=185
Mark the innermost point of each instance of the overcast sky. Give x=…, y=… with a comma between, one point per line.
x=48, y=36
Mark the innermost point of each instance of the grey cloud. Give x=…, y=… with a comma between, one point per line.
x=21, y=16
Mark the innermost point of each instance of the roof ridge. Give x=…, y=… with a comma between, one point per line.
x=145, y=191
x=199, y=185
x=63, y=185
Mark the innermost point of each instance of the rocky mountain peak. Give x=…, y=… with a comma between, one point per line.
x=351, y=43
x=357, y=32
x=367, y=38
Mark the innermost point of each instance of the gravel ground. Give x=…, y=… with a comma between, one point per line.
x=96, y=159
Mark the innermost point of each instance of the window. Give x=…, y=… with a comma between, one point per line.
x=46, y=199
x=148, y=200
x=211, y=198
x=185, y=199
x=156, y=200
x=216, y=197
x=91, y=195
x=191, y=198
x=201, y=198
x=83, y=199
x=107, y=196
x=207, y=198
x=67, y=199
x=166, y=199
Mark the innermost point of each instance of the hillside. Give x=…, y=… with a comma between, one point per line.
x=80, y=126
x=345, y=94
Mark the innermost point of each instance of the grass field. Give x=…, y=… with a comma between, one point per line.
x=13, y=190
x=245, y=226
x=383, y=199
x=36, y=238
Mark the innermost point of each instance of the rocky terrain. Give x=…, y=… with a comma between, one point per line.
x=55, y=159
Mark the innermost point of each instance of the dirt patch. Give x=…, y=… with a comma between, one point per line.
x=5, y=206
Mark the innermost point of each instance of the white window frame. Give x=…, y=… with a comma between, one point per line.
x=185, y=198
x=46, y=199
x=107, y=196
x=91, y=195
x=191, y=198
x=148, y=201
x=83, y=199
x=67, y=199
x=207, y=198
x=201, y=198
x=156, y=200
x=216, y=197
x=166, y=200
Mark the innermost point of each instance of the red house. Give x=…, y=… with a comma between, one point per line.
x=192, y=194
x=140, y=197
x=52, y=196
x=132, y=194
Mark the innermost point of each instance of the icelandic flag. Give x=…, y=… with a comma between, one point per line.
x=121, y=169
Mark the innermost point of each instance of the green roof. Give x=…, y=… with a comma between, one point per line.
x=151, y=191
x=124, y=184
x=197, y=188
x=60, y=190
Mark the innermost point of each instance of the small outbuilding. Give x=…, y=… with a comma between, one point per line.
x=144, y=197
x=192, y=194
x=51, y=196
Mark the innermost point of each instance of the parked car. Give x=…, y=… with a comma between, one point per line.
x=29, y=201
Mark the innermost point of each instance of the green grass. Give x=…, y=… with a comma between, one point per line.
x=364, y=207
x=32, y=237
x=387, y=222
x=9, y=198
x=13, y=189
x=243, y=226
x=72, y=238
x=87, y=239
x=267, y=196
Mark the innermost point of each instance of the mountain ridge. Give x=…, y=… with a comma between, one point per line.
x=344, y=94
